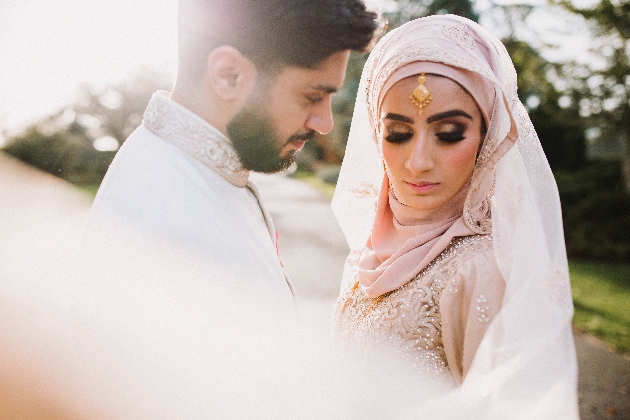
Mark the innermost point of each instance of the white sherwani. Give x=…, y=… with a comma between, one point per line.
x=178, y=184
x=181, y=308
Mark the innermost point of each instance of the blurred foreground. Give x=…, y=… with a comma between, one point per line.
x=119, y=357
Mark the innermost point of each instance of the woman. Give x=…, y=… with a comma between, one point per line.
x=458, y=265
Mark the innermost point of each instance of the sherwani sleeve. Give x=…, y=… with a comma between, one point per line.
x=467, y=307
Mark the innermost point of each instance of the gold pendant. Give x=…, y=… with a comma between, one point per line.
x=421, y=96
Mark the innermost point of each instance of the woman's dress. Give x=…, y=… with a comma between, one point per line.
x=435, y=321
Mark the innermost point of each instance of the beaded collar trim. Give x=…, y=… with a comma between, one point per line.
x=190, y=133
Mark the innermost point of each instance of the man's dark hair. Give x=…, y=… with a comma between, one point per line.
x=272, y=33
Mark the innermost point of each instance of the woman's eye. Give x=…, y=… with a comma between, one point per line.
x=451, y=133
x=398, y=137
x=451, y=136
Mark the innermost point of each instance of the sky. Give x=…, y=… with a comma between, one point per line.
x=48, y=48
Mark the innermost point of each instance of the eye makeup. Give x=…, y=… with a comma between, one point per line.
x=446, y=130
x=398, y=137
x=451, y=132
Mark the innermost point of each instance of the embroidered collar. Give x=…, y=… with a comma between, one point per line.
x=195, y=136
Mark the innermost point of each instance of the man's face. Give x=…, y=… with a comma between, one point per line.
x=283, y=114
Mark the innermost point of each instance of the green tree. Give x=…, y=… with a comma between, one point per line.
x=554, y=114
x=606, y=90
x=79, y=141
x=406, y=10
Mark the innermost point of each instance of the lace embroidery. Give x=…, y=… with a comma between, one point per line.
x=194, y=136
x=478, y=211
x=354, y=257
x=365, y=190
x=559, y=288
x=527, y=144
x=460, y=35
x=407, y=319
x=489, y=146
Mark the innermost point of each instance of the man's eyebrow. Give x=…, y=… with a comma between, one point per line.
x=325, y=88
x=398, y=117
x=448, y=114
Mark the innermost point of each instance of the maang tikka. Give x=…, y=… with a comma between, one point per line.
x=421, y=96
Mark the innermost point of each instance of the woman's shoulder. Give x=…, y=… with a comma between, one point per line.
x=467, y=249
x=467, y=262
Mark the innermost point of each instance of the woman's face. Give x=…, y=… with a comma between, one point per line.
x=429, y=157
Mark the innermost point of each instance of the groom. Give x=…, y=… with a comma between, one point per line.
x=254, y=84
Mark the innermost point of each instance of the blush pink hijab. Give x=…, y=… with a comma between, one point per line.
x=512, y=196
x=403, y=240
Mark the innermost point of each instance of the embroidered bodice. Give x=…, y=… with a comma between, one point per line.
x=408, y=320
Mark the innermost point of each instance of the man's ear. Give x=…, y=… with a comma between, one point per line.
x=232, y=75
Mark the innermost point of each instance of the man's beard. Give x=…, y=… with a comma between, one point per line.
x=258, y=144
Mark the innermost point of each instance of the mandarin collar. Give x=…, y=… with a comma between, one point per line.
x=195, y=136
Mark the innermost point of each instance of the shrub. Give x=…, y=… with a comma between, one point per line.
x=596, y=212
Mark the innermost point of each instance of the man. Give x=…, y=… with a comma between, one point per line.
x=254, y=84
x=177, y=307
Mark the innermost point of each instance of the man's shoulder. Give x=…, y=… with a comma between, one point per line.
x=150, y=176
x=146, y=147
x=146, y=160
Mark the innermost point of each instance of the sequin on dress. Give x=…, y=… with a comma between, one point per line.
x=408, y=320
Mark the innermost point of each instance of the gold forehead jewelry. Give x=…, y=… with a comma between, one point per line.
x=421, y=96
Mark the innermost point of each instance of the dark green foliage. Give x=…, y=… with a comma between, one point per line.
x=596, y=212
x=62, y=144
x=605, y=91
x=64, y=155
x=456, y=7
x=562, y=137
x=560, y=130
x=412, y=9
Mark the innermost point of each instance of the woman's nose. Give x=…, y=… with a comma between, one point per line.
x=420, y=158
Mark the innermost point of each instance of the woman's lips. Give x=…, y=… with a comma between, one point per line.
x=421, y=187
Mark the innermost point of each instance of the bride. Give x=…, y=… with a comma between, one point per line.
x=458, y=270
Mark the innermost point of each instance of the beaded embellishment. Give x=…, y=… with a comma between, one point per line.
x=194, y=136
x=407, y=319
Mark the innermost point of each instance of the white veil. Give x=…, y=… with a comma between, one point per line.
x=526, y=365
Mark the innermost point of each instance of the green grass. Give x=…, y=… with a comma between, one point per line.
x=601, y=296
x=324, y=187
x=91, y=189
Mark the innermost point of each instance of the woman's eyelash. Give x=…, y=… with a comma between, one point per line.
x=451, y=136
x=398, y=137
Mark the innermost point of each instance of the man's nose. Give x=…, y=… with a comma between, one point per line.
x=321, y=118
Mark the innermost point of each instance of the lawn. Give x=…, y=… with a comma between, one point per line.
x=91, y=189
x=324, y=187
x=601, y=296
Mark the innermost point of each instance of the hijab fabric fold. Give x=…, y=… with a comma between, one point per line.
x=404, y=241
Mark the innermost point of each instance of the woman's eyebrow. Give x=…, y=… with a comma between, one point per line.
x=448, y=114
x=398, y=117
